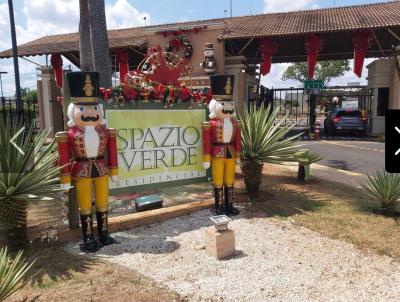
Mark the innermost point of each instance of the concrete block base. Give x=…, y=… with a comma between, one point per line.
x=219, y=244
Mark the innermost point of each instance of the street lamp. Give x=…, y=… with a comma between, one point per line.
x=15, y=58
x=1, y=83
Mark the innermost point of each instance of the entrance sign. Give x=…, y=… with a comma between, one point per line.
x=350, y=103
x=158, y=147
x=313, y=84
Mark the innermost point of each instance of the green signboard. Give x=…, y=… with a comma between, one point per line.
x=157, y=147
x=313, y=84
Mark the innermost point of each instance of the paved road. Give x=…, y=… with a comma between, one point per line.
x=363, y=157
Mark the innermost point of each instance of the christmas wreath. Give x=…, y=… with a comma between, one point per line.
x=178, y=42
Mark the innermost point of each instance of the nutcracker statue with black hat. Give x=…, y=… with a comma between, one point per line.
x=82, y=150
x=221, y=142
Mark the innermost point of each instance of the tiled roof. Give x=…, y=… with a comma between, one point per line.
x=314, y=21
x=379, y=15
x=70, y=43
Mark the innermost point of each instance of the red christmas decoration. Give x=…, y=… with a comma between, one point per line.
x=106, y=93
x=176, y=43
x=57, y=62
x=159, y=91
x=60, y=99
x=165, y=73
x=313, y=46
x=123, y=64
x=362, y=41
x=268, y=49
x=129, y=92
x=185, y=93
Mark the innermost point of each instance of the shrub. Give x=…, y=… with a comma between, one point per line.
x=384, y=188
x=12, y=273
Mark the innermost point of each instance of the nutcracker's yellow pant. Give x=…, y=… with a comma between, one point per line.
x=223, y=172
x=84, y=187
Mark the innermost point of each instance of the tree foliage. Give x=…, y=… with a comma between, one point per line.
x=326, y=71
x=29, y=95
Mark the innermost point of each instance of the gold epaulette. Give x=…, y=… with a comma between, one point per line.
x=206, y=125
x=112, y=132
x=62, y=137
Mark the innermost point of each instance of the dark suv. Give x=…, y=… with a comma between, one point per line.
x=340, y=119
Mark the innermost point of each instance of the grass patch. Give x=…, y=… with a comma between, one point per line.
x=332, y=209
x=61, y=276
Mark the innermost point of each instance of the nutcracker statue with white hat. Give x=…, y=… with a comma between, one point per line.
x=221, y=143
x=82, y=154
x=209, y=64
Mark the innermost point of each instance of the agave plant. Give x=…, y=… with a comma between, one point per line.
x=12, y=273
x=26, y=174
x=264, y=141
x=305, y=159
x=384, y=188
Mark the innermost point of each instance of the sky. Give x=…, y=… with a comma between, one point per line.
x=36, y=18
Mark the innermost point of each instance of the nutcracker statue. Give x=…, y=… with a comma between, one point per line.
x=82, y=150
x=221, y=142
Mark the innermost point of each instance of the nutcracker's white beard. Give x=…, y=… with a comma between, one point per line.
x=70, y=114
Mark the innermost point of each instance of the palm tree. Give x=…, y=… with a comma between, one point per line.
x=24, y=176
x=263, y=141
x=85, y=45
x=12, y=272
x=305, y=159
x=99, y=41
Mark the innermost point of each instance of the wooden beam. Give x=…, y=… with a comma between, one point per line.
x=245, y=46
x=137, y=51
x=129, y=221
x=378, y=43
x=393, y=33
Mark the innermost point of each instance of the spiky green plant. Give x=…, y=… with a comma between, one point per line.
x=24, y=176
x=264, y=141
x=305, y=158
x=12, y=273
x=385, y=188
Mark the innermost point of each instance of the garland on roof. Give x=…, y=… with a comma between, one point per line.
x=180, y=31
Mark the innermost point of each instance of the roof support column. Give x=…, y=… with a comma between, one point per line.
x=236, y=65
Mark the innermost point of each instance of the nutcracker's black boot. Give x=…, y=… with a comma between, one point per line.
x=102, y=229
x=229, y=208
x=89, y=245
x=219, y=201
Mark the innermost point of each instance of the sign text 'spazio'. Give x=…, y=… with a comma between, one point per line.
x=142, y=148
x=157, y=145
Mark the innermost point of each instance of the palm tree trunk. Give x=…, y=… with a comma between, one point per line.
x=85, y=45
x=252, y=174
x=16, y=235
x=99, y=40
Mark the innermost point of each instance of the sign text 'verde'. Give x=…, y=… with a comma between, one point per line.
x=152, y=148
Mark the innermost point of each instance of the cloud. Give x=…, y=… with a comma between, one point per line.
x=50, y=17
x=121, y=14
x=289, y=5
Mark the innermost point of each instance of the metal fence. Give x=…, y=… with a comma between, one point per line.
x=295, y=101
x=28, y=114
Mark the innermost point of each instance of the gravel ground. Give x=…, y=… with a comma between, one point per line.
x=275, y=261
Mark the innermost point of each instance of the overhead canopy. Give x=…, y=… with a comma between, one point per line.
x=242, y=35
x=336, y=26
